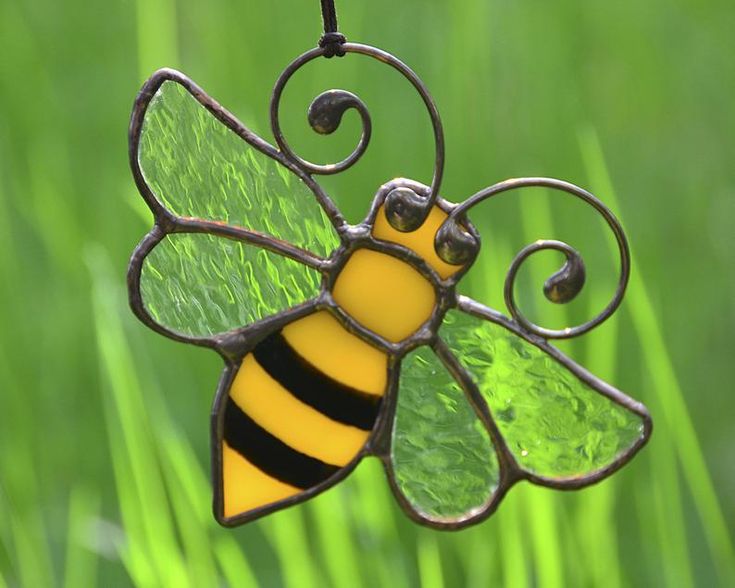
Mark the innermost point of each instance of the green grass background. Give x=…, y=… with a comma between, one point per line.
x=104, y=424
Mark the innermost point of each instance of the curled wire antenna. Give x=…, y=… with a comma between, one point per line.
x=565, y=284
x=405, y=209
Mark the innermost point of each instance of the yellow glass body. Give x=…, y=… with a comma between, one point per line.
x=382, y=293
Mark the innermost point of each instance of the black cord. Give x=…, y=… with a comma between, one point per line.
x=332, y=40
x=329, y=15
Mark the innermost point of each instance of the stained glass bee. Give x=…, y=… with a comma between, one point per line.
x=344, y=341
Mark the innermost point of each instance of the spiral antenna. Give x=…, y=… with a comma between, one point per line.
x=564, y=285
x=405, y=209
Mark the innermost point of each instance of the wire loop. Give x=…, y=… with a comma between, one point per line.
x=566, y=283
x=327, y=109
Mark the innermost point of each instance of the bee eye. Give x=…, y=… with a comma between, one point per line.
x=455, y=245
x=405, y=209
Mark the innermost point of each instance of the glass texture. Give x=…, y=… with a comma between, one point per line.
x=443, y=458
x=554, y=424
x=198, y=167
x=199, y=284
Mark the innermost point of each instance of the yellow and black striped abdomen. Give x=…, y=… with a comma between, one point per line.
x=300, y=408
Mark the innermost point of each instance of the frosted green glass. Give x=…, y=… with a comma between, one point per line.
x=200, y=284
x=198, y=167
x=443, y=458
x=555, y=424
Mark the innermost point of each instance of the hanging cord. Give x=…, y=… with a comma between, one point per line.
x=332, y=40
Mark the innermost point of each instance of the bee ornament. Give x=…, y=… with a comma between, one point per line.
x=343, y=341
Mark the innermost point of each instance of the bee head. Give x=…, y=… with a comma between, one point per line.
x=447, y=246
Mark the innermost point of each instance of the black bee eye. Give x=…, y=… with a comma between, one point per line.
x=405, y=209
x=455, y=245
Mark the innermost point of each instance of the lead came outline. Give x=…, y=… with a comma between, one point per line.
x=234, y=345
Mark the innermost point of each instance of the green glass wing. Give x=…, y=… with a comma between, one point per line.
x=198, y=284
x=198, y=167
x=555, y=424
x=444, y=463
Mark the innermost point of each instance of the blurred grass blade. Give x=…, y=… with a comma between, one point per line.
x=27, y=525
x=7, y=561
x=288, y=535
x=235, y=568
x=374, y=518
x=671, y=522
x=335, y=539
x=157, y=35
x=149, y=524
x=668, y=514
x=81, y=563
x=541, y=520
x=190, y=505
x=595, y=521
x=430, y=566
x=543, y=505
x=666, y=386
x=478, y=553
x=34, y=569
x=513, y=541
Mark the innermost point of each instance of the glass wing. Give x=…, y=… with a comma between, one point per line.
x=196, y=164
x=444, y=466
x=563, y=427
x=198, y=285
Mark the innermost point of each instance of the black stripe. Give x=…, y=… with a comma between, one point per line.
x=271, y=455
x=331, y=398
